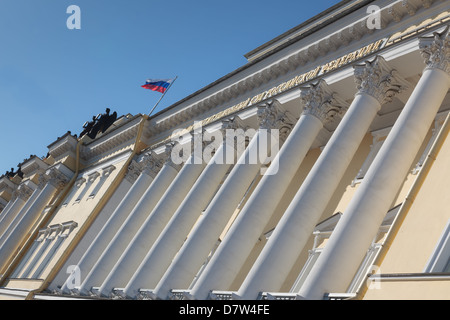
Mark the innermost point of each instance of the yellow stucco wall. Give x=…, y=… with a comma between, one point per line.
x=418, y=236
x=78, y=212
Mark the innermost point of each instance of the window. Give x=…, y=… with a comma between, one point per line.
x=438, y=123
x=43, y=250
x=440, y=259
x=323, y=232
x=379, y=137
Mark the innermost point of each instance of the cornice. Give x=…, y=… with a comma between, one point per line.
x=63, y=146
x=32, y=166
x=395, y=12
x=7, y=185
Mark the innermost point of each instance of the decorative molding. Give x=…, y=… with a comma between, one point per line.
x=168, y=155
x=320, y=101
x=377, y=79
x=396, y=12
x=66, y=144
x=436, y=50
x=271, y=115
x=122, y=135
x=33, y=165
x=240, y=138
x=151, y=164
x=106, y=171
x=54, y=177
x=92, y=176
x=7, y=184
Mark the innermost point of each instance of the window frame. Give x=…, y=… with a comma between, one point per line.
x=440, y=258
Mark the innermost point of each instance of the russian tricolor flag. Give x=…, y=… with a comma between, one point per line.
x=160, y=85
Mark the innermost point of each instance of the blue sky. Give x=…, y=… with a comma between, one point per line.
x=53, y=79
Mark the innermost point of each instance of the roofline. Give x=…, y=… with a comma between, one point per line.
x=277, y=49
x=305, y=24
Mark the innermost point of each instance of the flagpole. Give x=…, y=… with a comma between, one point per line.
x=163, y=95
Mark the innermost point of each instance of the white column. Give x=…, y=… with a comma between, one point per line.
x=320, y=105
x=359, y=224
x=129, y=227
x=297, y=224
x=20, y=197
x=152, y=226
x=51, y=181
x=202, y=239
x=20, y=214
x=156, y=261
x=142, y=174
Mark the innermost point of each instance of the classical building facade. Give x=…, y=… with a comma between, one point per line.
x=318, y=170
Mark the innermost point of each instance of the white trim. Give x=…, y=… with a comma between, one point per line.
x=441, y=252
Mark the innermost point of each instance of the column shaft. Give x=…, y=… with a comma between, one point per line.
x=240, y=239
x=295, y=227
x=171, y=239
x=12, y=242
x=359, y=224
x=152, y=227
x=110, y=228
x=129, y=227
x=202, y=239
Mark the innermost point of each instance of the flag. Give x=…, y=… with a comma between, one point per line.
x=160, y=85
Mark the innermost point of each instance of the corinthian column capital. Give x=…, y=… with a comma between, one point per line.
x=271, y=115
x=232, y=123
x=151, y=164
x=436, y=50
x=133, y=171
x=169, y=160
x=54, y=177
x=377, y=79
x=320, y=101
x=23, y=192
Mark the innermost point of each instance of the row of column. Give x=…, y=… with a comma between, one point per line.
x=29, y=202
x=155, y=239
x=377, y=84
x=353, y=234
x=150, y=225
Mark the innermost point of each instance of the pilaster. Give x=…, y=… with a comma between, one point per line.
x=320, y=101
